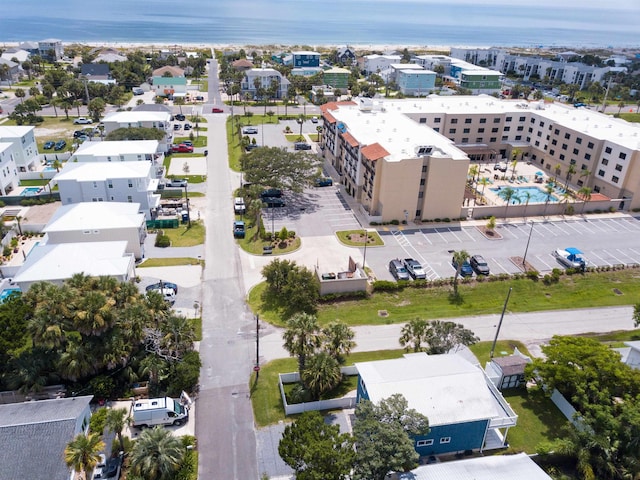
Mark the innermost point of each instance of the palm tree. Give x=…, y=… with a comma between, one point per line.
x=76, y=104
x=484, y=181
x=117, y=419
x=584, y=173
x=585, y=193
x=527, y=197
x=83, y=453
x=414, y=334
x=337, y=340
x=473, y=171
x=321, y=374
x=508, y=194
x=620, y=106
x=286, y=100
x=20, y=93
x=459, y=257
x=514, y=161
x=570, y=171
x=157, y=454
x=302, y=337
x=180, y=102
x=556, y=170
x=548, y=190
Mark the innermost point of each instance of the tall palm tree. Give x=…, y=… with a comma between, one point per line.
x=584, y=173
x=570, y=171
x=527, y=197
x=157, y=455
x=337, y=340
x=414, y=334
x=514, y=161
x=508, y=194
x=321, y=374
x=78, y=360
x=83, y=453
x=556, y=170
x=473, y=171
x=484, y=181
x=548, y=190
x=585, y=193
x=20, y=93
x=459, y=257
x=117, y=419
x=302, y=337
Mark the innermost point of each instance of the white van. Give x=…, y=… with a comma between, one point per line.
x=169, y=294
x=239, y=206
x=159, y=411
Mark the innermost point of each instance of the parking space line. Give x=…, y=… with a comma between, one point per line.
x=548, y=229
x=621, y=225
x=634, y=224
x=445, y=240
x=405, y=244
x=452, y=233
x=557, y=225
x=625, y=254
x=541, y=259
x=616, y=258
x=635, y=251
x=500, y=265
x=468, y=234
x=424, y=235
x=509, y=231
x=603, y=260
x=570, y=225
x=599, y=227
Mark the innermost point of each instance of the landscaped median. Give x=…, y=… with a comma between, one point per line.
x=170, y=262
x=254, y=243
x=356, y=238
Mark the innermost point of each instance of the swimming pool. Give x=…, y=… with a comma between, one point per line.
x=30, y=191
x=537, y=195
x=5, y=293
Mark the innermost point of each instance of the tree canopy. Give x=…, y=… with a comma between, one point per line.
x=278, y=168
x=435, y=337
x=290, y=286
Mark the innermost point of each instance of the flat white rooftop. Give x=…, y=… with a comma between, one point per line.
x=124, y=147
x=100, y=171
x=446, y=388
x=14, y=131
x=137, y=116
x=95, y=216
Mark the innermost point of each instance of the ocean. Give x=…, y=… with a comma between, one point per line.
x=570, y=23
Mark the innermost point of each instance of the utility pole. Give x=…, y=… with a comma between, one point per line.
x=493, y=347
x=256, y=367
x=606, y=94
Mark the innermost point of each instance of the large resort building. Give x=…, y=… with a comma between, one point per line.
x=409, y=159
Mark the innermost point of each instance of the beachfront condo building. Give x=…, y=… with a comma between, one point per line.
x=408, y=159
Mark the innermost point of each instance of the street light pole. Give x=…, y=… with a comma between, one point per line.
x=257, y=365
x=364, y=256
x=524, y=265
x=493, y=347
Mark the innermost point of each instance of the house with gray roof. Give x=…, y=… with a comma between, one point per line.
x=34, y=435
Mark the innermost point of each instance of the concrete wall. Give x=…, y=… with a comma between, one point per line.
x=534, y=210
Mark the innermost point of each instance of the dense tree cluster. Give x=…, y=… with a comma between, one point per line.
x=605, y=444
x=278, y=168
x=435, y=337
x=290, y=286
x=95, y=333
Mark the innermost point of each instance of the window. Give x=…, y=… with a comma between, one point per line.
x=554, y=142
x=533, y=120
x=466, y=130
x=467, y=120
x=530, y=130
x=562, y=156
x=418, y=213
x=496, y=120
x=564, y=146
x=483, y=120
x=465, y=140
x=505, y=138
x=537, y=143
x=130, y=183
x=605, y=161
x=422, y=180
x=494, y=130
x=95, y=184
x=607, y=150
x=596, y=189
x=520, y=128
x=541, y=124
x=481, y=130
x=518, y=137
x=552, y=152
x=436, y=129
x=110, y=183
x=579, y=141
x=622, y=156
x=454, y=121
x=590, y=145
x=556, y=132
x=445, y=440
x=452, y=131
x=129, y=199
x=601, y=173
x=508, y=119
x=506, y=129
x=567, y=136
x=583, y=167
x=576, y=151
x=436, y=120
x=424, y=120
x=618, y=167
x=424, y=169
x=522, y=119
x=493, y=139
x=587, y=156
x=424, y=443
x=614, y=179
x=478, y=139
x=539, y=134
x=572, y=161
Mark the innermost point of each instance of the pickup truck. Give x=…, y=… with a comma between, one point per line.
x=415, y=269
x=570, y=258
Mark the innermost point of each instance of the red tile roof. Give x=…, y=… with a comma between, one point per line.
x=330, y=118
x=334, y=105
x=374, y=152
x=349, y=139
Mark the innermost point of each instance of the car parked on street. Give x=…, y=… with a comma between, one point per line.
x=180, y=117
x=271, y=192
x=161, y=285
x=60, y=144
x=217, y=110
x=249, y=130
x=238, y=229
x=415, y=269
x=182, y=148
x=49, y=145
x=177, y=182
x=398, y=270
x=479, y=265
x=82, y=121
x=465, y=268
x=239, y=206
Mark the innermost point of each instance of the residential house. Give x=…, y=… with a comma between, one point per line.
x=346, y=56
x=419, y=83
x=631, y=354
x=168, y=70
x=458, y=66
x=57, y=263
x=98, y=222
x=389, y=74
x=159, y=119
x=306, y=71
x=265, y=77
x=25, y=148
x=321, y=94
x=98, y=73
x=376, y=63
x=492, y=467
x=302, y=59
x=122, y=151
x=432, y=62
x=337, y=78
x=242, y=65
x=170, y=87
x=15, y=53
x=8, y=170
x=34, y=435
x=51, y=49
x=109, y=55
x=31, y=47
x=13, y=71
x=465, y=410
x=131, y=182
x=481, y=81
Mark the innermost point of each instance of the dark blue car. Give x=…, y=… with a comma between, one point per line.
x=465, y=268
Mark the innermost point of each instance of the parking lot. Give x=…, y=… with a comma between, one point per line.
x=604, y=241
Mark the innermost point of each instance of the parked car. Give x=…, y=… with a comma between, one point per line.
x=570, y=258
x=398, y=271
x=161, y=284
x=137, y=91
x=188, y=143
x=239, y=206
x=501, y=167
x=187, y=126
x=273, y=201
x=168, y=294
x=415, y=269
x=238, y=229
x=271, y=192
x=180, y=117
x=199, y=98
x=182, y=148
x=301, y=146
x=479, y=265
x=217, y=110
x=465, y=268
x=323, y=182
x=49, y=145
x=251, y=146
x=82, y=121
x=314, y=119
x=78, y=133
x=249, y=130
x=579, y=104
x=176, y=126
x=60, y=144
x=177, y=182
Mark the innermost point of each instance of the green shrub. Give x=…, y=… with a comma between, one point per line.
x=102, y=386
x=162, y=241
x=394, y=222
x=6, y=251
x=292, y=234
x=533, y=275
x=436, y=219
x=98, y=419
x=387, y=286
x=336, y=297
x=446, y=219
x=184, y=375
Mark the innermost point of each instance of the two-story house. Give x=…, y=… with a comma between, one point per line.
x=122, y=151
x=25, y=148
x=131, y=182
x=8, y=170
x=265, y=78
x=169, y=87
x=302, y=59
x=160, y=120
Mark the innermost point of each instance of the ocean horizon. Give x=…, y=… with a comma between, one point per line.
x=500, y=23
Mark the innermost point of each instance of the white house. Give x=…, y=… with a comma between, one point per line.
x=17, y=53
x=130, y=182
x=631, y=354
x=34, y=435
x=51, y=49
x=377, y=63
x=265, y=76
x=8, y=170
x=99, y=222
x=122, y=151
x=169, y=87
x=25, y=147
x=59, y=262
x=141, y=118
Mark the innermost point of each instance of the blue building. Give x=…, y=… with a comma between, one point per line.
x=302, y=59
x=466, y=411
x=416, y=82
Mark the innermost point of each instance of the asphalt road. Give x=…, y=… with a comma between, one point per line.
x=224, y=418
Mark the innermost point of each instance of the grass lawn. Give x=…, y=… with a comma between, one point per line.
x=234, y=147
x=252, y=243
x=197, y=325
x=197, y=141
x=265, y=394
x=186, y=237
x=294, y=137
x=630, y=117
x=34, y=183
x=169, y=262
x=355, y=238
x=588, y=290
x=314, y=137
x=197, y=120
x=482, y=350
x=178, y=193
x=257, y=119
